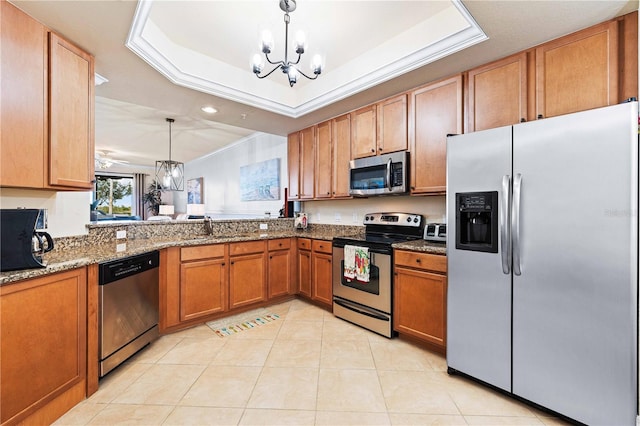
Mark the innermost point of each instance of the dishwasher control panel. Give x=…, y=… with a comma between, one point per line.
x=122, y=268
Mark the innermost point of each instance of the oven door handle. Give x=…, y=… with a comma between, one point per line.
x=351, y=307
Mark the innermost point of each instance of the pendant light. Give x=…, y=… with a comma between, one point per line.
x=169, y=174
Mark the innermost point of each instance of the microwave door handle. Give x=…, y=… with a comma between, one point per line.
x=389, y=184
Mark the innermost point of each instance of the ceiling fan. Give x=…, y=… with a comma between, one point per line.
x=104, y=161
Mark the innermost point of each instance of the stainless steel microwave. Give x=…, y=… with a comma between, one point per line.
x=379, y=175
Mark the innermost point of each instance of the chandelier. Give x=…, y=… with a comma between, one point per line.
x=170, y=174
x=288, y=67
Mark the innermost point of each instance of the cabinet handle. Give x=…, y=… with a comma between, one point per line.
x=540, y=117
x=523, y=120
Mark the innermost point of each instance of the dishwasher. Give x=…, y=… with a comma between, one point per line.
x=127, y=308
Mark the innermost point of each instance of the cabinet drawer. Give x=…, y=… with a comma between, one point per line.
x=246, y=248
x=304, y=243
x=279, y=244
x=201, y=252
x=432, y=262
x=321, y=246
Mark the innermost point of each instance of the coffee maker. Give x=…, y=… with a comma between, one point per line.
x=21, y=243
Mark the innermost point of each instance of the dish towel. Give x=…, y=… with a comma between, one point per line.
x=349, y=271
x=362, y=264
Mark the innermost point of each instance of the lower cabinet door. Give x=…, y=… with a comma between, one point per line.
x=202, y=288
x=247, y=280
x=279, y=273
x=304, y=272
x=322, y=276
x=420, y=305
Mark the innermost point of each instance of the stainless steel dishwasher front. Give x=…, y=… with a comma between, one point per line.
x=128, y=307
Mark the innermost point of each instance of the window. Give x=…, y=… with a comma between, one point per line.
x=113, y=195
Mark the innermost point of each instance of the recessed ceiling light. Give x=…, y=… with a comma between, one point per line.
x=209, y=109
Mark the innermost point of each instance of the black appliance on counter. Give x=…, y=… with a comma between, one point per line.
x=369, y=303
x=21, y=245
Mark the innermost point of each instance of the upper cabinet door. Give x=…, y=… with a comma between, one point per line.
x=23, y=71
x=363, y=132
x=71, y=105
x=341, y=145
x=307, y=162
x=497, y=93
x=578, y=72
x=392, y=125
x=324, y=142
x=293, y=160
x=436, y=111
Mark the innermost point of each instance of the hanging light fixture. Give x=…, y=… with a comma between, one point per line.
x=288, y=67
x=170, y=174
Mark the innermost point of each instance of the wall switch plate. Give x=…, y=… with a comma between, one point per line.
x=338, y=217
x=121, y=234
x=264, y=226
x=121, y=247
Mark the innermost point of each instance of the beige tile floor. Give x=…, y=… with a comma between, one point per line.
x=307, y=368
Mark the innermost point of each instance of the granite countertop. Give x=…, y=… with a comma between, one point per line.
x=423, y=246
x=75, y=257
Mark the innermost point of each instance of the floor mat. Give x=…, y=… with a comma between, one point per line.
x=238, y=323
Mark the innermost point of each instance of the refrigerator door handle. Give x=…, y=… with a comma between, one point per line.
x=515, y=224
x=505, y=235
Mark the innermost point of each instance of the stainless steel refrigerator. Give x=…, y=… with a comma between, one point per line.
x=543, y=261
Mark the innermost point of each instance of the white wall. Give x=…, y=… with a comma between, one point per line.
x=68, y=211
x=351, y=212
x=221, y=173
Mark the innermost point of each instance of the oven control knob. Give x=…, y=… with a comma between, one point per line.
x=409, y=219
x=416, y=220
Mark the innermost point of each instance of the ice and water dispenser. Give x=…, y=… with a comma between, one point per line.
x=477, y=221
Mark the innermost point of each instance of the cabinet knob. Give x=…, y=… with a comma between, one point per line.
x=373, y=150
x=523, y=120
x=418, y=260
x=540, y=117
x=413, y=187
x=222, y=263
x=380, y=149
x=280, y=244
x=270, y=257
x=232, y=263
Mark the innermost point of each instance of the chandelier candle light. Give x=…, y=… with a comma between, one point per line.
x=169, y=174
x=287, y=66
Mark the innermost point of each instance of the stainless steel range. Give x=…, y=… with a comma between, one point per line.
x=363, y=270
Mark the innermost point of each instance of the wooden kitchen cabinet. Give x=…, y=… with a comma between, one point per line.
x=420, y=303
x=203, y=281
x=43, y=339
x=301, y=164
x=341, y=145
x=379, y=128
x=293, y=165
x=392, y=125
x=304, y=267
x=324, y=160
x=578, y=72
x=435, y=110
x=247, y=273
x=364, y=132
x=322, y=272
x=497, y=93
x=71, y=105
x=333, y=153
x=280, y=267
x=47, y=109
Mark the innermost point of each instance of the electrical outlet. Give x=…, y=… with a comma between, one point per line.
x=121, y=247
x=264, y=226
x=121, y=234
x=338, y=217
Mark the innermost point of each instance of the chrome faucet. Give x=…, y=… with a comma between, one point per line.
x=207, y=225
